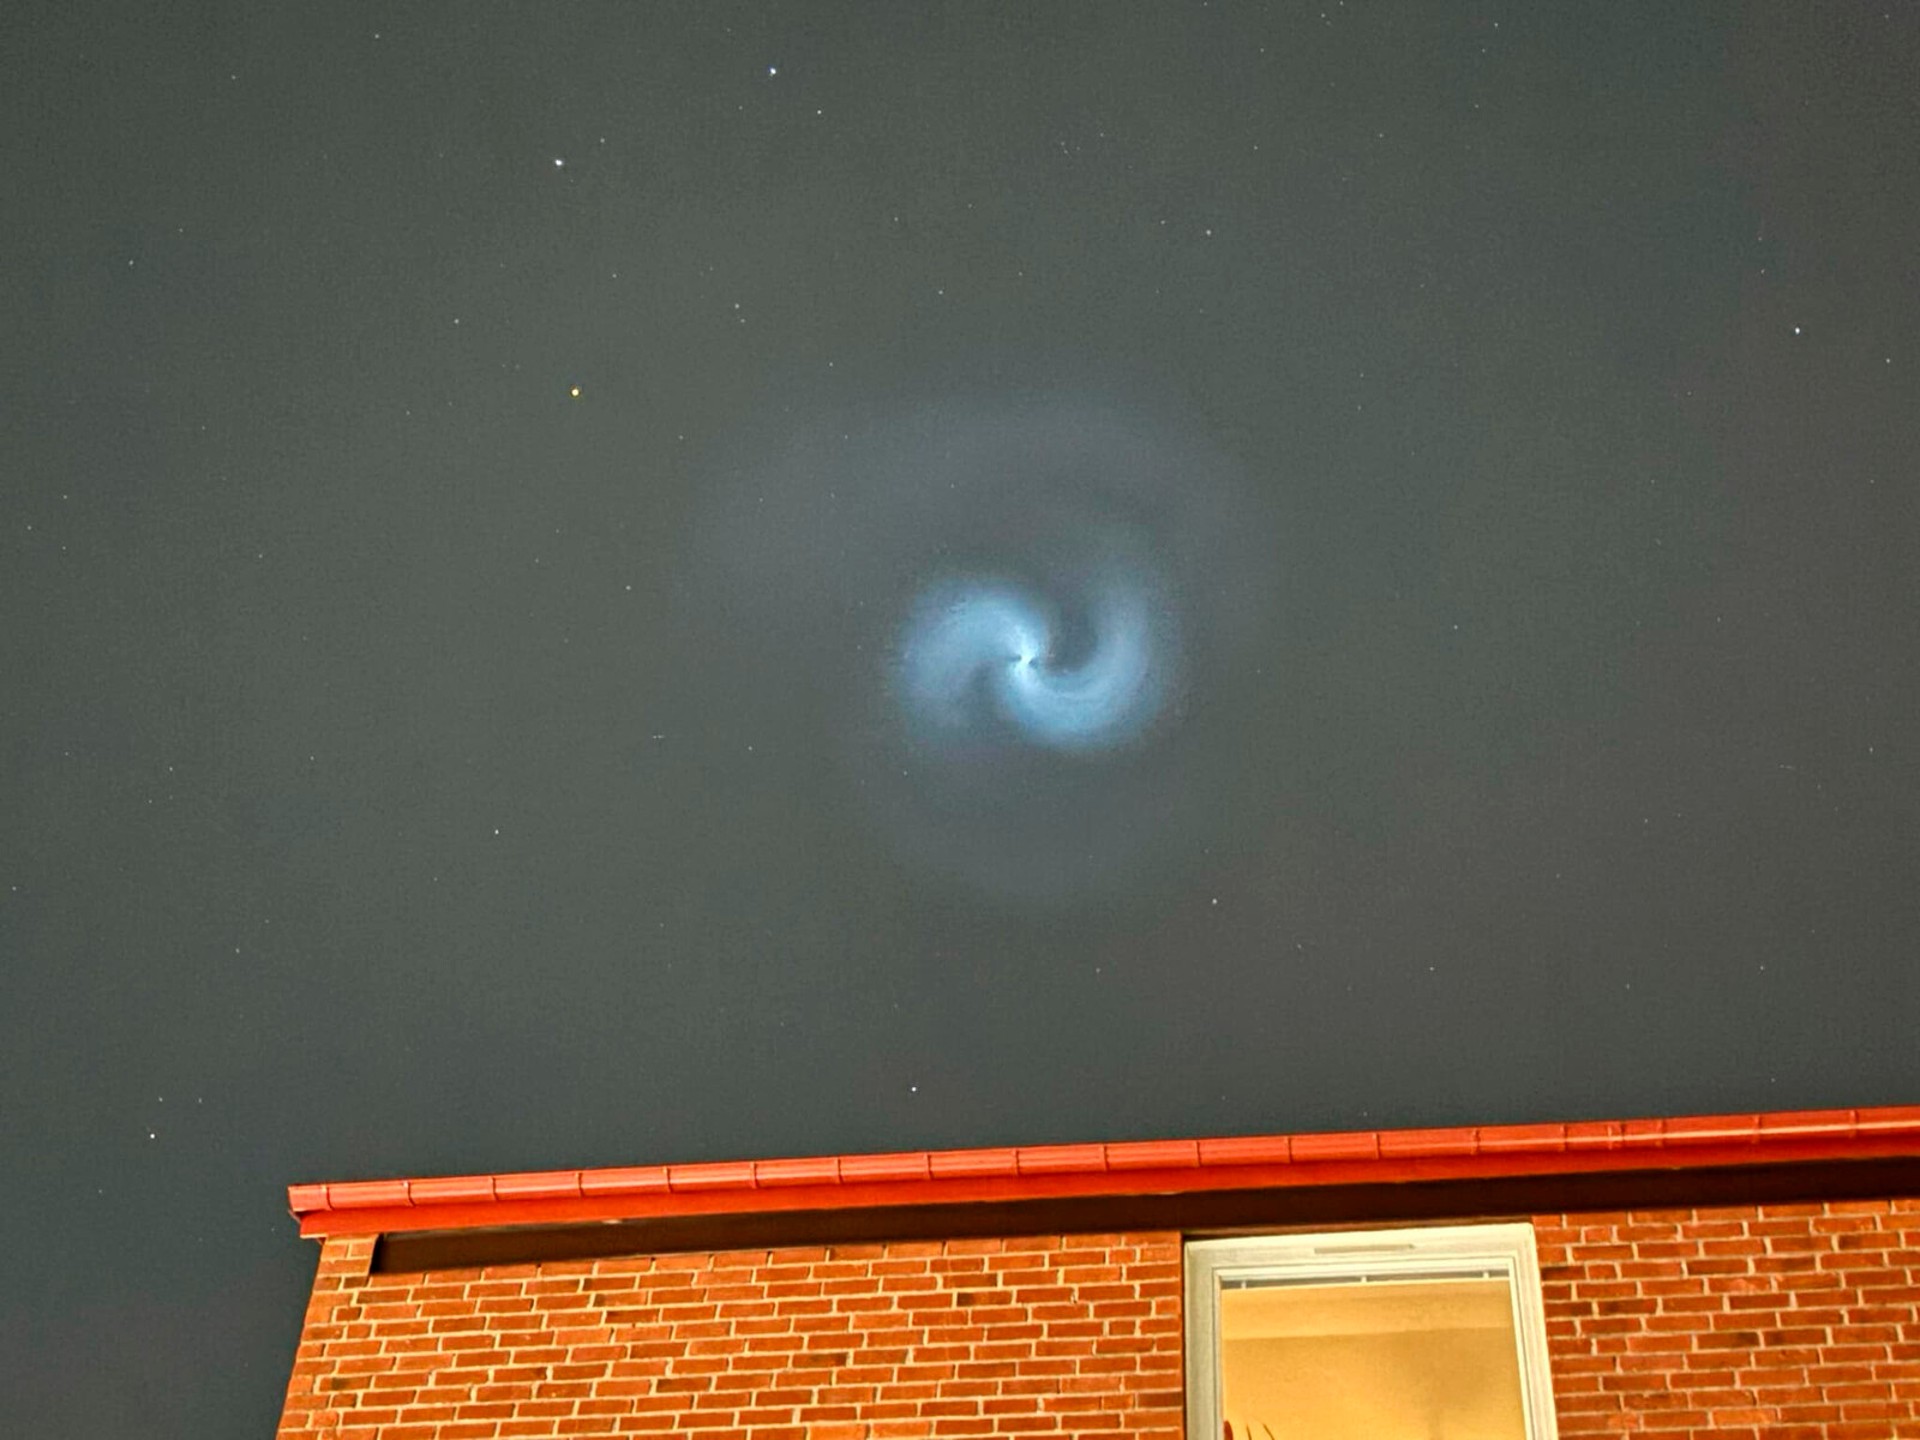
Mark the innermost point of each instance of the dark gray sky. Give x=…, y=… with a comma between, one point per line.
x=411, y=766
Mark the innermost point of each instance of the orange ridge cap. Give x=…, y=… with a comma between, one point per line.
x=921, y=1177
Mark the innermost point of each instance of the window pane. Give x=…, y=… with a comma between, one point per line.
x=1426, y=1359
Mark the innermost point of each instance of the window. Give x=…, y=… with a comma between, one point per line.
x=1425, y=1334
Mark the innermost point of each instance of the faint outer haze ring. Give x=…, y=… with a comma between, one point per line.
x=1025, y=626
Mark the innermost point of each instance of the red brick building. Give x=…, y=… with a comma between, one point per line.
x=1753, y=1275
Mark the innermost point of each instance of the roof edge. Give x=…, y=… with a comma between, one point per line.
x=927, y=1177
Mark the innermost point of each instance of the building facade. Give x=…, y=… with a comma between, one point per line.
x=1753, y=1275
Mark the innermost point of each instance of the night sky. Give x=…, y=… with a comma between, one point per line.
x=610, y=584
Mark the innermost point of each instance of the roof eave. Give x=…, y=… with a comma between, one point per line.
x=1157, y=1167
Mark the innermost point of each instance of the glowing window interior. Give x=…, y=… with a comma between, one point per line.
x=1411, y=1358
x=1426, y=1333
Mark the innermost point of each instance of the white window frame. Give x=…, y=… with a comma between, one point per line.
x=1329, y=1256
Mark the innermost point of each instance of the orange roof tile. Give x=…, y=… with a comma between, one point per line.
x=1033, y=1172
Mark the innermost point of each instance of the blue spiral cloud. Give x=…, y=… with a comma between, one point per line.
x=985, y=660
x=1032, y=630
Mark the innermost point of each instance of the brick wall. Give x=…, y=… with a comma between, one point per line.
x=1789, y=1322
x=1792, y=1322
x=1072, y=1336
